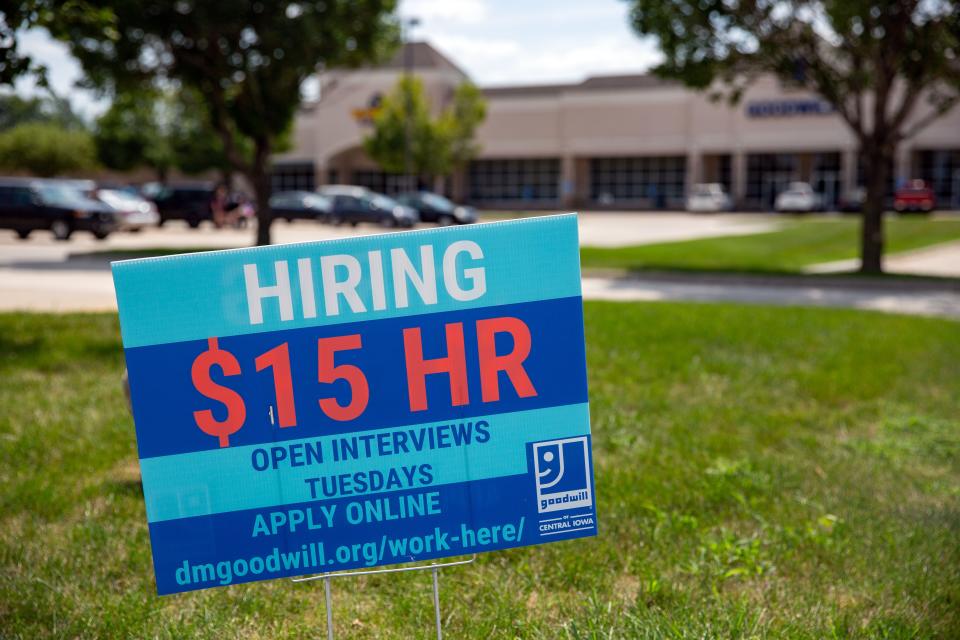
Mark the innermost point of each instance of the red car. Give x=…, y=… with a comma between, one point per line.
x=915, y=196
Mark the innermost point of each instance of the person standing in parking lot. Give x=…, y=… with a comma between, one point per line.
x=218, y=206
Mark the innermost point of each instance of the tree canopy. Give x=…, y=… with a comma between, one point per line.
x=888, y=67
x=46, y=149
x=161, y=130
x=438, y=144
x=18, y=16
x=247, y=60
x=133, y=133
x=15, y=110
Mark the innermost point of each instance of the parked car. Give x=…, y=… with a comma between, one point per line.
x=28, y=205
x=183, y=202
x=708, y=198
x=915, y=196
x=359, y=204
x=306, y=205
x=433, y=207
x=798, y=198
x=134, y=212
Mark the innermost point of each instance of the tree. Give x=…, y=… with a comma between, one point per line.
x=888, y=67
x=437, y=145
x=134, y=133
x=16, y=110
x=247, y=60
x=45, y=149
x=161, y=130
x=20, y=15
x=196, y=145
x=406, y=106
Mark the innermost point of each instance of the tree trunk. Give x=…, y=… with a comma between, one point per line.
x=259, y=177
x=876, y=161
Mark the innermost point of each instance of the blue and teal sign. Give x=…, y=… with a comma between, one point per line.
x=367, y=401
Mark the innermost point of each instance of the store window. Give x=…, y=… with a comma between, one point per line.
x=299, y=176
x=534, y=180
x=387, y=183
x=941, y=169
x=657, y=181
x=768, y=174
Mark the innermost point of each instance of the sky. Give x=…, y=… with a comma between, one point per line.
x=497, y=42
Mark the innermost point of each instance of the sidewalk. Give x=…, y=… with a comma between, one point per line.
x=913, y=297
x=939, y=260
x=92, y=290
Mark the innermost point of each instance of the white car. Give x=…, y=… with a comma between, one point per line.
x=133, y=212
x=798, y=198
x=708, y=198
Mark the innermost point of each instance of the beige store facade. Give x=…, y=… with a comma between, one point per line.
x=615, y=142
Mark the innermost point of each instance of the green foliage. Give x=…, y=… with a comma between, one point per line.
x=247, y=60
x=162, y=129
x=752, y=482
x=196, y=145
x=131, y=134
x=46, y=149
x=16, y=110
x=459, y=123
x=438, y=145
x=19, y=16
x=405, y=107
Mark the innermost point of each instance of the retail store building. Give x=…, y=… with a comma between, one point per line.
x=616, y=142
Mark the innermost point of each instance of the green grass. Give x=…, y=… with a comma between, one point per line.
x=761, y=472
x=799, y=244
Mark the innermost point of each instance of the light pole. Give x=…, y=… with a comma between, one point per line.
x=406, y=27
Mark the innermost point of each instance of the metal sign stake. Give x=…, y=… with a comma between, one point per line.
x=329, y=604
x=433, y=567
x=436, y=601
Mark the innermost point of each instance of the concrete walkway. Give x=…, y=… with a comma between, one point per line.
x=938, y=260
x=91, y=289
x=909, y=297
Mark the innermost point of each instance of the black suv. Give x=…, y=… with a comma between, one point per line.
x=359, y=204
x=433, y=207
x=185, y=202
x=60, y=206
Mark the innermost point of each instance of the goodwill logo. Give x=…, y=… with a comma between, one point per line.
x=562, y=469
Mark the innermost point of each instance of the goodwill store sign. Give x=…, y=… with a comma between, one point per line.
x=350, y=403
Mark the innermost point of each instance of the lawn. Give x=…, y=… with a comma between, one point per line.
x=799, y=244
x=761, y=472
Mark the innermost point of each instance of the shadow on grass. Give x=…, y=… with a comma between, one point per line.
x=125, y=487
x=20, y=347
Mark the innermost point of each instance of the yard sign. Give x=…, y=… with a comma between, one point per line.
x=359, y=402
